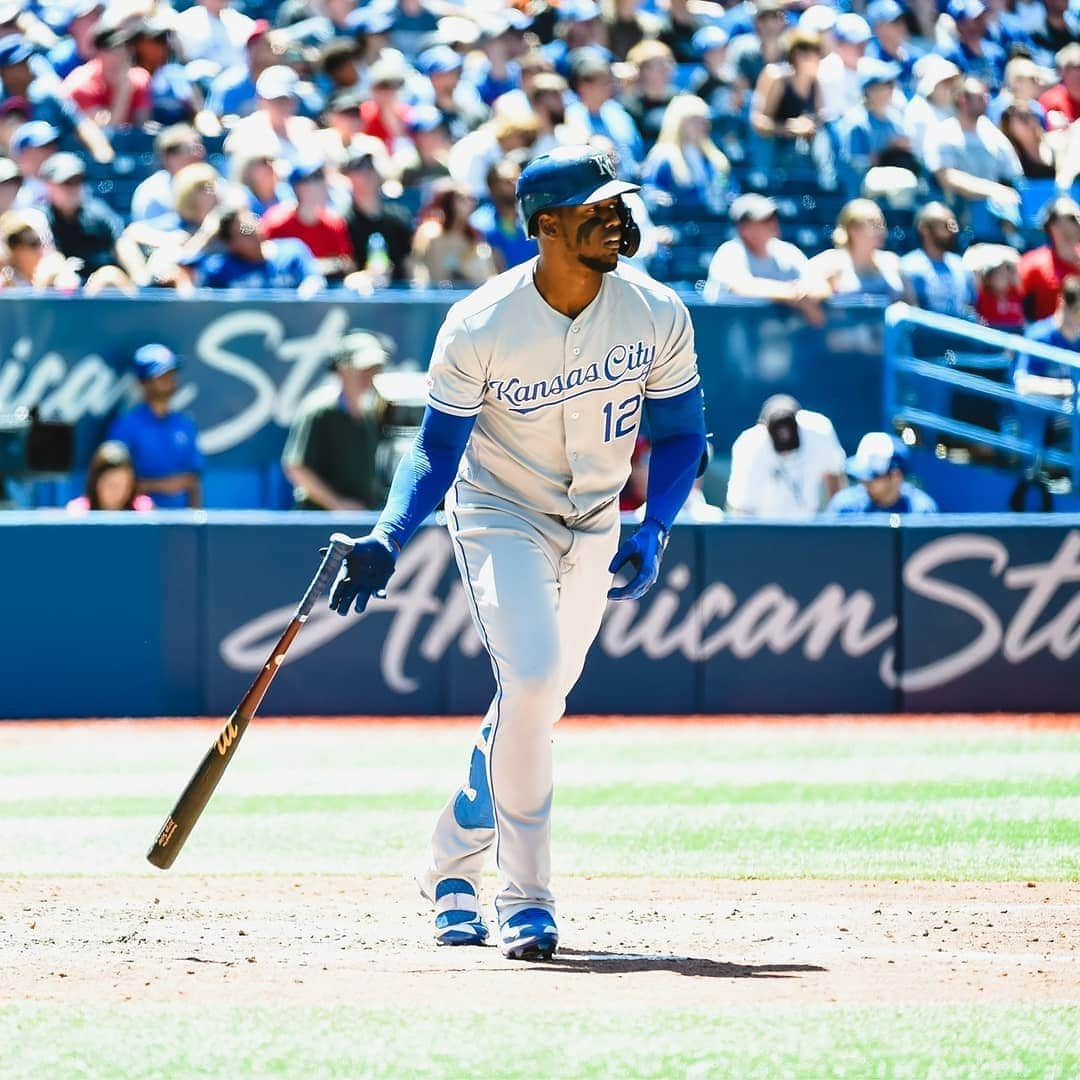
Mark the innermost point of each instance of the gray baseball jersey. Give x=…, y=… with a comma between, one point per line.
x=558, y=401
x=534, y=517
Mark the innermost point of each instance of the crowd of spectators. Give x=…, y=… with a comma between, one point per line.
x=311, y=144
x=786, y=150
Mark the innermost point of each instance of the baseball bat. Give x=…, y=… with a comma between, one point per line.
x=178, y=825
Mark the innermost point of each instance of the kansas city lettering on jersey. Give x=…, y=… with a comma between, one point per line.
x=623, y=363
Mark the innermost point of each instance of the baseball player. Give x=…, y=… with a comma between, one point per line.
x=538, y=385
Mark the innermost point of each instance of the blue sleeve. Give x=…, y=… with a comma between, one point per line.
x=677, y=430
x=424, y=475
x=195, y=462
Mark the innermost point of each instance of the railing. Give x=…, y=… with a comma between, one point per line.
x=910, y=380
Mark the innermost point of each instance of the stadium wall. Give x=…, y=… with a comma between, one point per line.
x=172, y=614
x=251, y=358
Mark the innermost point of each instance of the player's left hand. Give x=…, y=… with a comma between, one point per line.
x=364, y=574
x=644, y=552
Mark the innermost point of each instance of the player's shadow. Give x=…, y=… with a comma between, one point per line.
x=622, y=963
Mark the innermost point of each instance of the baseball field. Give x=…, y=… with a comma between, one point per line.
x=840, y=898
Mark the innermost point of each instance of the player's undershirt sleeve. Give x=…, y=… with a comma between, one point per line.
x=674, y=370
x=456, y=379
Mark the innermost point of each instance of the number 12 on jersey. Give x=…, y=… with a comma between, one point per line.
x=621, y=420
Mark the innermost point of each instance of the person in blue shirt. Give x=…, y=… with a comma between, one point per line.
x=497, y=219
x=879, y=465
x=934, y=276
x=163, y=444
x=596, y=112
x=974, y=53
x=1045, y=380
x=890, y=41
x=248, y=260
x=872, y=133
x=76, y=47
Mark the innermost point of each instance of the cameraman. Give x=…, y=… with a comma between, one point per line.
x=788, y=465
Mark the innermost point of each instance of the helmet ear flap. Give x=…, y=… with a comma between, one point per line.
x=631, y=234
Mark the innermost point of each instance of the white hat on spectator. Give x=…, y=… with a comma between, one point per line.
x=275, y=82
x=853, y=29
x=932, y=70
x=818, y=19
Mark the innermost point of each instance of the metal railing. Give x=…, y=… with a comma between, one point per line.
x=910, y=379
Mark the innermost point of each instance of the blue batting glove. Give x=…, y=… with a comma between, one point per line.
x=644, y=552
x=363, y=574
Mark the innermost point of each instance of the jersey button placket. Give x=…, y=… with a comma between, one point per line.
x=571, y=408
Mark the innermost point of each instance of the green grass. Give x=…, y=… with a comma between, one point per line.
x=846, y=801
x=842, y=801
x=941, y=1042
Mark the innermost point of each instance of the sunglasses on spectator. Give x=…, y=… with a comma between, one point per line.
x=26, y=239
x=185, y=148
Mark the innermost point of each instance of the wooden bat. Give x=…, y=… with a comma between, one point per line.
x=200, y=787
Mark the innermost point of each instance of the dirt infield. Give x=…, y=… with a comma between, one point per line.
x=688, y=942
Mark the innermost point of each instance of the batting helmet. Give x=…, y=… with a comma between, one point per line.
x=573, y=176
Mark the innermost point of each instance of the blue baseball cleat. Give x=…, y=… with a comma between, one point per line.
x=530, y=934
x=457, y=914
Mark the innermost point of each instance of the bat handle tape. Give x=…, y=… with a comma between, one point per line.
x=340, y=546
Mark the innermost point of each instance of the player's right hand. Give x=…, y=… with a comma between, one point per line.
x=364, y=574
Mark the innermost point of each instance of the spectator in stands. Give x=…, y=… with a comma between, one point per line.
x=163, y=444
x=176, y=147
x=714, y=79
x=384, y=115
x=578, y=26
x=649, y=98
x=76, y=46
x=597, y=112
x=212, y=31
x=857, y=262
x=1056, y=28
x=380, y=233
x=934, y=275
x=85, y=228
x=758, y=263
x=10, y=182
x=233, y=93
x=257, y=181
x=27, y=256
x=974, y=53
x=458, y=102
x=311, y=220
x=110, y=87
x=248, y=260
x=788, y=97
x=788, y=465
x=998, y=301
x=497, y=219
x=890, y=40
x=447, y=249
x=329, y=456
x=502, y=42
x=970, y=158
x=111, y=483
x=274, y=127
x=187, y=227
x=339, y=65
x=1024, y=84
x=934, y=101
x=750, y=53
x=39, y=96
x=1046, y=380
x=838, y=74
x=510, y=129
x=431, y=150
x=686, y=168
x=174, y=97
x=873, y=133
x=547, y=100
x=32, y=144
x=879, y=465
x=1024, y=131
x=1061, y=103
x=1043, y=269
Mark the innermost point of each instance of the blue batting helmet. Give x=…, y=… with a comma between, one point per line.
x=566, y=176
